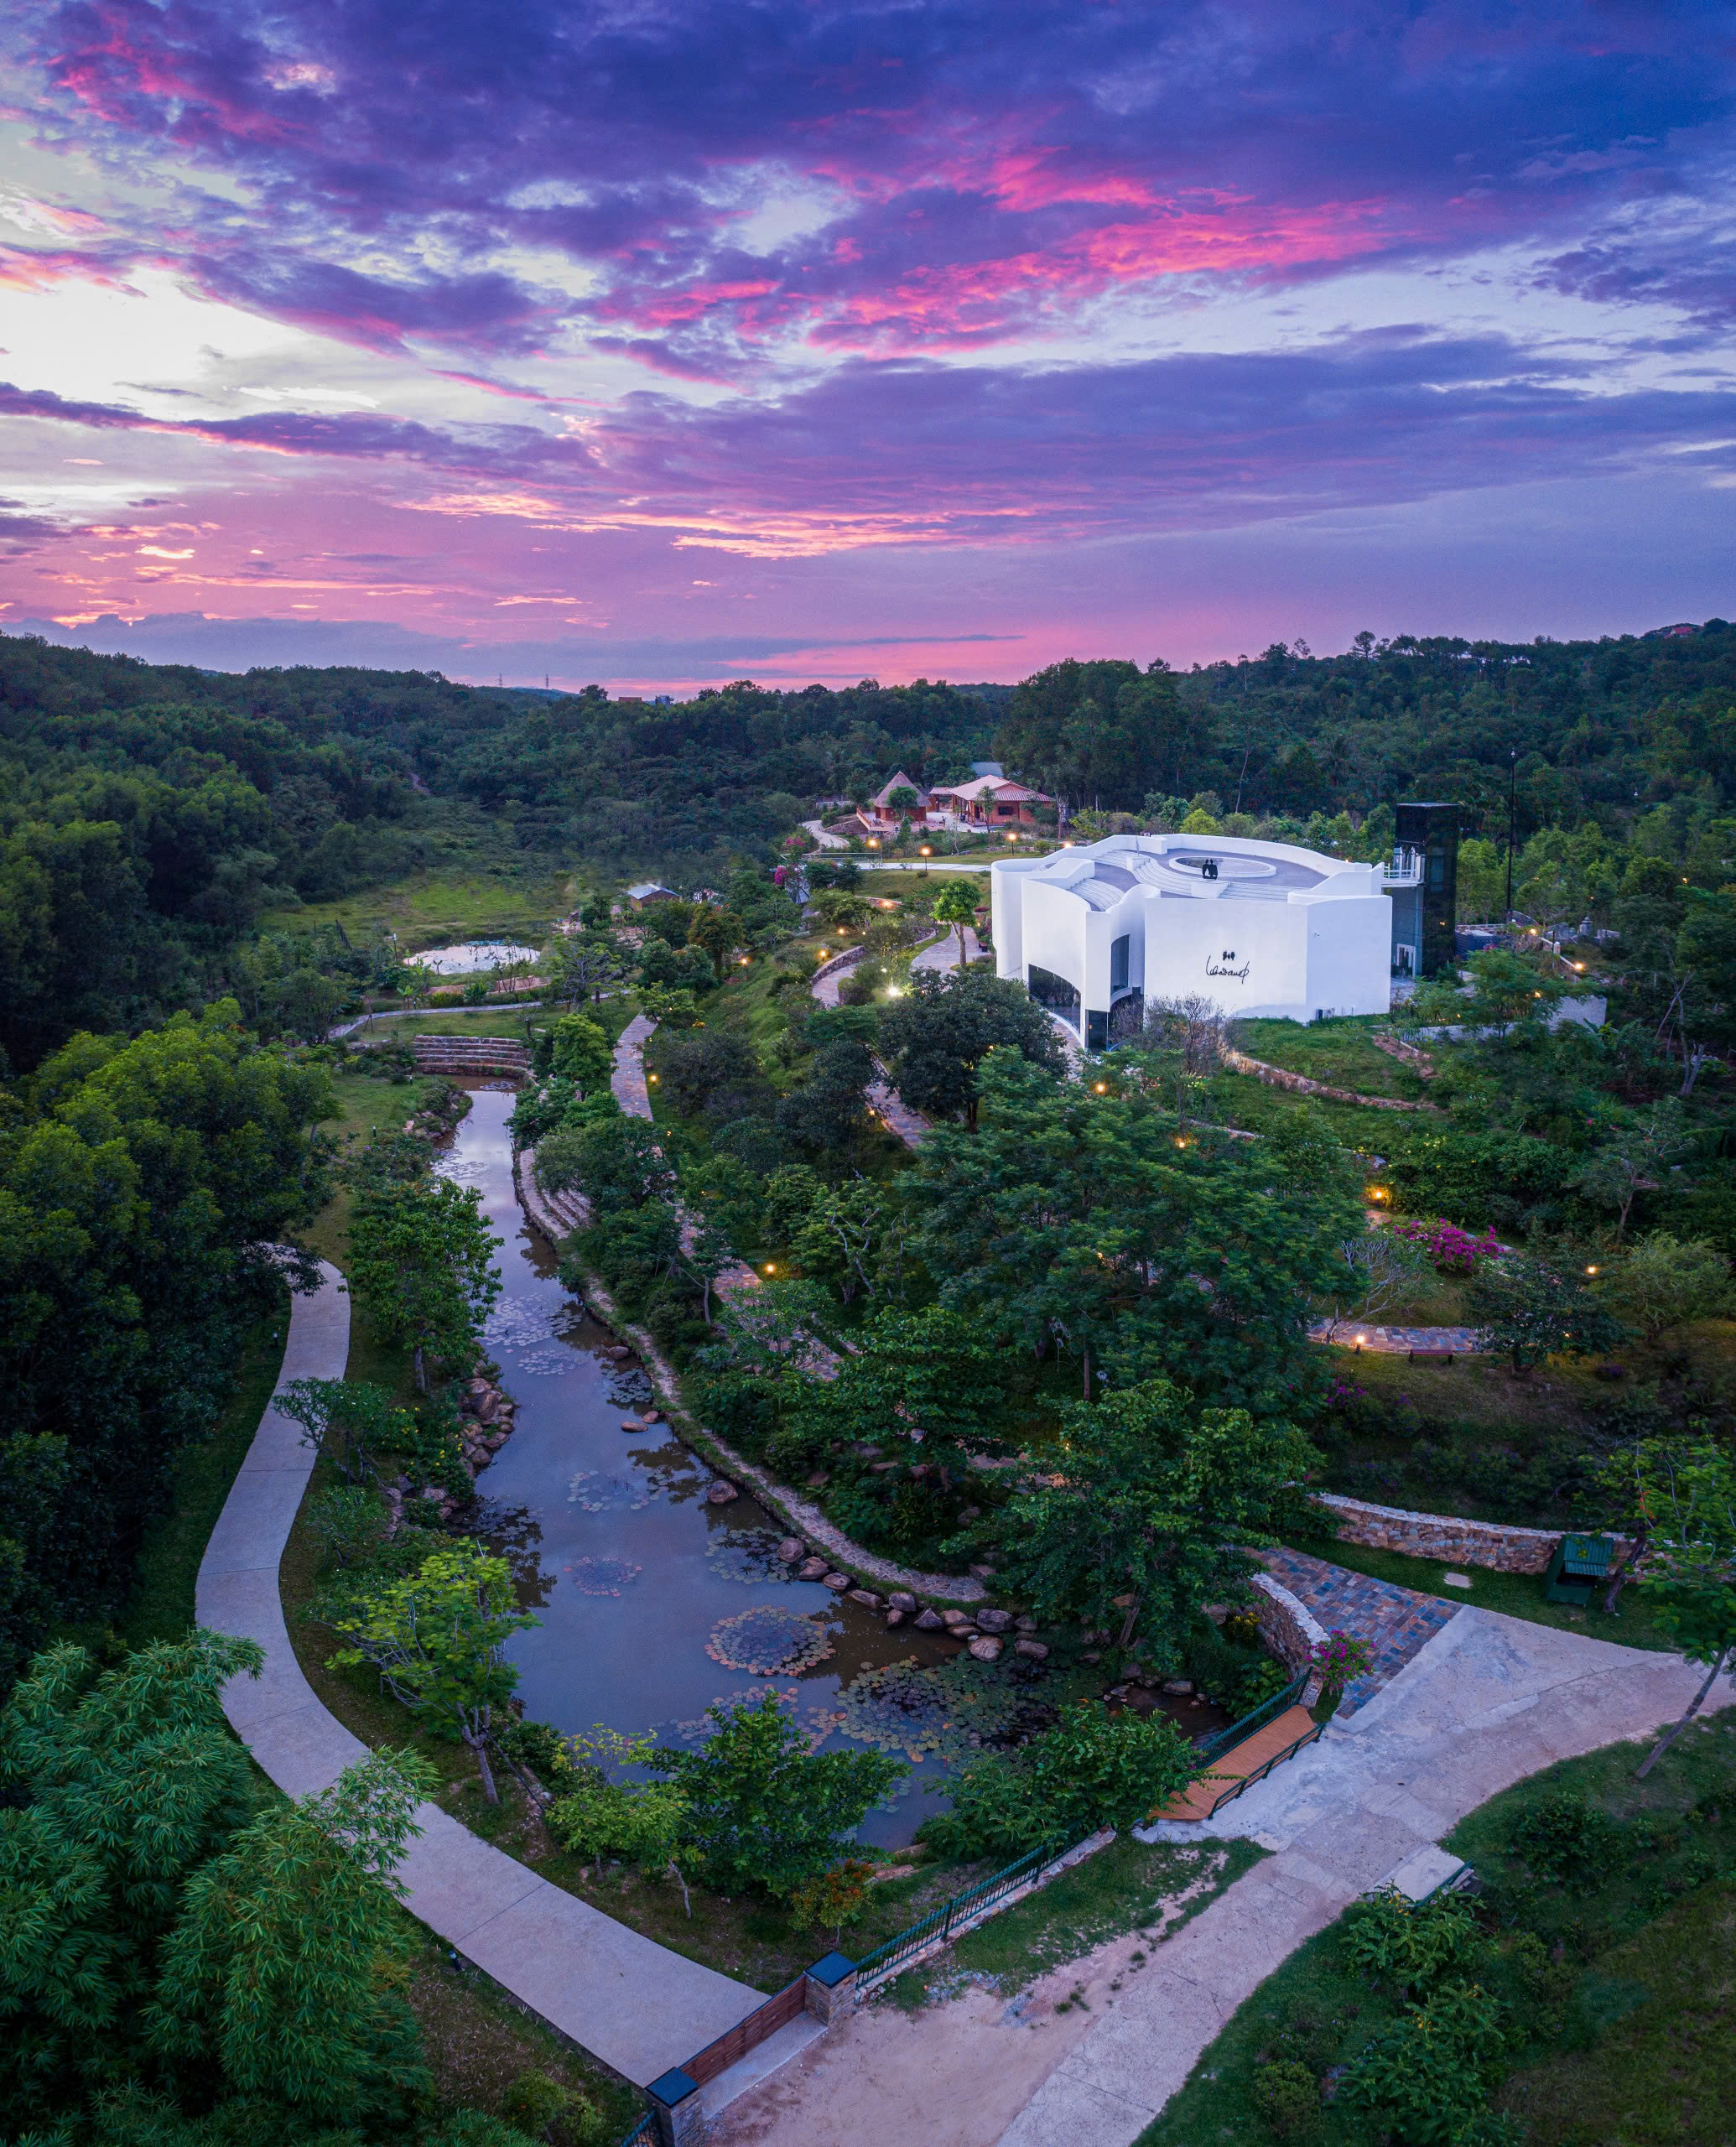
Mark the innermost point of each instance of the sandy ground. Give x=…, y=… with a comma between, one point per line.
x=954, y=2074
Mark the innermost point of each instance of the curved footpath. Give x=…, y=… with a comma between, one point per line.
x=1487, y=1701
x=632, y=2004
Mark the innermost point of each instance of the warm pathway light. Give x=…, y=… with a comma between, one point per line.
x=844, y=932
x=770, y=1267
x=895, y=991
x=650, y=1077
x=1378, y=1192
x=927, y=852
x=1591, y=1271
x=1103, y=1088
x=744, y=959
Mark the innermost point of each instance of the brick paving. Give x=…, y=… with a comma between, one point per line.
x=1395, y=1622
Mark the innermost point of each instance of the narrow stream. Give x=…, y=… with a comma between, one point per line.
x=633, y=1574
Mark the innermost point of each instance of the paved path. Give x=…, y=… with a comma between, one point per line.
x=883, y=1100
x=422, y=1013
x=1397, y=1623
x=943, y=954
x=1488, y=1700
x=824, y=839
x=627, y=1081
x=1397, y=1341
x=628, y=2001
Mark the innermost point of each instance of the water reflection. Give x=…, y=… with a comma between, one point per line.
x=654, y=1604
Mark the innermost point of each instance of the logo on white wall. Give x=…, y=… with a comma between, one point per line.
x=1221, y=966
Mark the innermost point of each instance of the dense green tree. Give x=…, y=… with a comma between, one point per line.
x=763, y=1810
x=143, y=1187
x=1665, y=1282
x=437, y=1637
x=1089, y=1769
x=1688, y=1573
x=581, y=1052
x=1156, y=1508
x=421, y=1272
x=1527, y=1308
x=936, y=1037
x=1096, y=1222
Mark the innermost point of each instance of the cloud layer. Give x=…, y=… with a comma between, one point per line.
x=546, y=305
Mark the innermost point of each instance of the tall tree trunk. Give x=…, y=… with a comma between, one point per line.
x=1665, y=1742
x=1088, y=1372
x=421, y=1371
x=1624, y=1568
x=479, y=1745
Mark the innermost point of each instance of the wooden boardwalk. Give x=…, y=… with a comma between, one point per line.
x=1236, y=1765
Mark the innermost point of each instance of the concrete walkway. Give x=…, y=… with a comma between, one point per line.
x=910, y=1127
x=627, y=1081
x=631, y=2003
x=1489, y=1700
x=943, y=955
x=823, y=837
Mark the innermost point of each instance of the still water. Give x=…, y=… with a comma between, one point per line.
x=644, y=1588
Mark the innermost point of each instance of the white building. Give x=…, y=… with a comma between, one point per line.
x=1261, y=928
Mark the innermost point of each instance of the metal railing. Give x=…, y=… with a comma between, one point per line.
x=937, y=1927
x=1267, y=1711
x=1261, y=1772
x=1405, y=869
x=644, y=2134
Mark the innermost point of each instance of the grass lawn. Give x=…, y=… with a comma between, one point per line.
x=1127, y=1887
x=1341, y=1053
x=1518, y=1595
x=1638, y=2051
x=428, y=909
x=160, y=1605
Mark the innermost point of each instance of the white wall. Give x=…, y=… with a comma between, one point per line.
x=1323, y=948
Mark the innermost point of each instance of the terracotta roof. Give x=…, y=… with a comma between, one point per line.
x=1000, y=787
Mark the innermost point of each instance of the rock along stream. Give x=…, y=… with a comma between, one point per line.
x=654, y=1604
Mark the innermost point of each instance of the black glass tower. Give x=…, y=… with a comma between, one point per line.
x=1424, y=887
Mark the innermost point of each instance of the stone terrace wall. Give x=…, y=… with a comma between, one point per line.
x=1289, y=1629
x=1280, y=1077
x=1446, y=1536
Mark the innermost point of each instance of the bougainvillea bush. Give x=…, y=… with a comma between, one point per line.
x=1454, y=1251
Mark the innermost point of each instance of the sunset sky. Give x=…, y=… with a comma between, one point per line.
x=665, y=344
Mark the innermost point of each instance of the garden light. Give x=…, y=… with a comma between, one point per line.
x=1103, y=1088
x=770, y=1267
x=927, y=852
x=1591, y=1271
x=650, y=1077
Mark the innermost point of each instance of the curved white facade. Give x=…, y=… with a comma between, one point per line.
x=1261, y=928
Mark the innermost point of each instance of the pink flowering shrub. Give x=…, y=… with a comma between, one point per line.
x=1341, y=1657
x=1453, y=1250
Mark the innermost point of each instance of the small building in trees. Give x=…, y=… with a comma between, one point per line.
x=648, y=891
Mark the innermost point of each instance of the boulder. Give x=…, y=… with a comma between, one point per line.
x=895, y=1617
x=1090, y=1654
x=1179, y=1687
x=866, y=1597
x=955, y=1618
x=811, y=1569
x=984, y=1572
x=1025, y=1625
x=838, y=1582
x=994, y=1621
x=1034, y=1649
x=722, y=1493
x=929, y=1621
x=789, y=1550
x=986, y=1648
x=901, y=1599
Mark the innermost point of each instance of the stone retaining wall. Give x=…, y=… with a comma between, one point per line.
x=1446, y=1536
x=1289, y=1629
x=1280, y=1077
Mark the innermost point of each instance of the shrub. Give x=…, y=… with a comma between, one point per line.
x=1431, y=2072
x=1408, y=1946
x=1287, y=2096
x=1090, y=1770
x=1453, y=1250
x=547, y=2110
x=1563, y=1838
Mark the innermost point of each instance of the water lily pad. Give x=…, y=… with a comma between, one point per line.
x=747, y=1554
x=597, y=1493
x=947, y=1711
x=602, y=1576
x=770, y=1642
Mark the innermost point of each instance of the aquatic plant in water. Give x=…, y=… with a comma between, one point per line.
x=746, y=1554
x=597, y=1493
x=947, y=1711
x=602, y=1576
x=770, y=1642
x=816, y=1722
